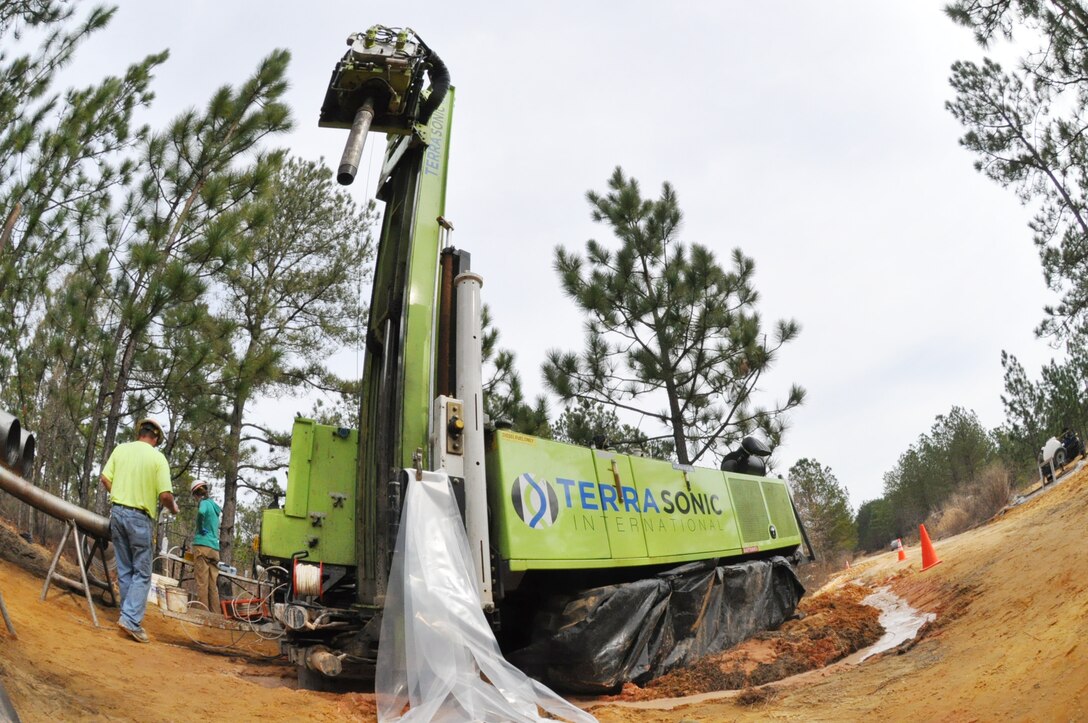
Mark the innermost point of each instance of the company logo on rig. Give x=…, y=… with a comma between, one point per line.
x=535, y=501
x=653, y=508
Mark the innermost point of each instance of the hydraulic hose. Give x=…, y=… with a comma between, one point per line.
x=439, y=75
x=353, y=147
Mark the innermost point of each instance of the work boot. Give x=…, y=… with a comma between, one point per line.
x=139, y=634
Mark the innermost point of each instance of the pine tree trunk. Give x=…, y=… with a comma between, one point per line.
x=230, y=481
x=86, y=483
x=113, y=419
x=678, y=437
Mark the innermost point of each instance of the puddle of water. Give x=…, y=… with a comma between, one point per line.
x=900, y=621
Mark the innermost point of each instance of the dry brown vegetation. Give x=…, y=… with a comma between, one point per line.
x=814, y=575
x=975, y=503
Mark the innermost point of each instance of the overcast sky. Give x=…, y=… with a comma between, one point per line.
x=811, y=135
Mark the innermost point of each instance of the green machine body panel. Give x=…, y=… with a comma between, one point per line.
x=556, y=506
x=318, y=516
x=530, y=507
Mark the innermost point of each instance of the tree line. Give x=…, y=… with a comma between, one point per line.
x=186, y=270
x=1025, y=126
x=183, y=271
x=179, y=271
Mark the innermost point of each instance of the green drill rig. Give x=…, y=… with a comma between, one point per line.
x=564, y=538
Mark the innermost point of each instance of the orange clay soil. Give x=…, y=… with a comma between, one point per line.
x=1010, y=641
x=1011, y=599
x=834, y=624
x=62, y=668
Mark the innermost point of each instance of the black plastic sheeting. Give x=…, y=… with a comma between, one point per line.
x=640, y=630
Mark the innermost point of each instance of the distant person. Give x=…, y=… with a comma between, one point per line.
x=137, y=476
x=206, y=546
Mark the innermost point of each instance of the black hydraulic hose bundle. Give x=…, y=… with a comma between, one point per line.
x=439, y=75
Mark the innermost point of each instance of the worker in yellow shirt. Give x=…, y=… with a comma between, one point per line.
x=137, y=476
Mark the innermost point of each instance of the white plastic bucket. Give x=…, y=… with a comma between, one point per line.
x=157, y=593
x=177, y=600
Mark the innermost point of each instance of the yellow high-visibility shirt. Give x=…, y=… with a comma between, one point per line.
x=138, y=474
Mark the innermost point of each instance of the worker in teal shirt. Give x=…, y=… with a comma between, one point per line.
x=206, y=547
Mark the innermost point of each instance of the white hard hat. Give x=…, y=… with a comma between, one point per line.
x=149, y=422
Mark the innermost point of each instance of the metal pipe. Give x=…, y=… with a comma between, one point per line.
x=26, y=455
x=468, y=343
x=7, y=618
x=353, y=149
x=89, y=522
x=324, y=661
x=10, y=433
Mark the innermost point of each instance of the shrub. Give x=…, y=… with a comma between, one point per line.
x=974, y=503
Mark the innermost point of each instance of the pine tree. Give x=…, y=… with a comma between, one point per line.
x=504, y=399
x=61, y=155
x=823, y=506
x=1026, y=129
x=178, y=224
x=666, y=325
x=291, y=297
x=1022, y=434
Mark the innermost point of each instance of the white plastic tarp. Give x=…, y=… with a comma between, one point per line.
x=438, y=659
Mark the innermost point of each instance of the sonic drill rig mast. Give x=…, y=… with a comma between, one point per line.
x=551, y=525
x=378, y=84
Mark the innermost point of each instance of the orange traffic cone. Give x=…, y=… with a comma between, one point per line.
x=929, y=555
x=902, y=552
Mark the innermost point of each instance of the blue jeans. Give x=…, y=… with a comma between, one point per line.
x=131, y=533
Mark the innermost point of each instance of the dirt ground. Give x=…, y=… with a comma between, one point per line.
x=833, y=624
x=1008, y=643
x=1011, y=600
x=62, y=668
